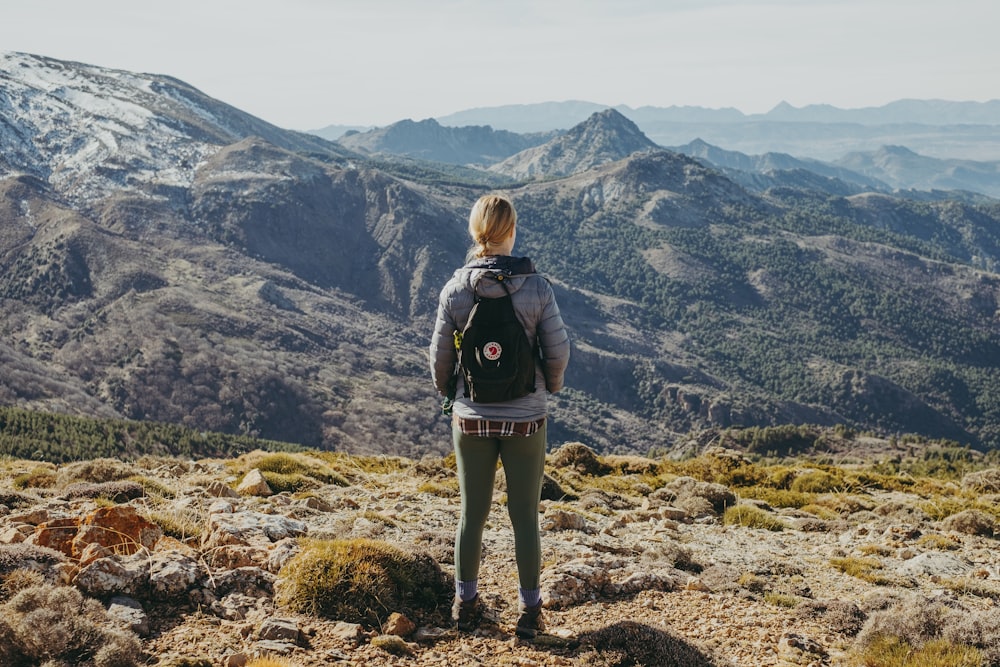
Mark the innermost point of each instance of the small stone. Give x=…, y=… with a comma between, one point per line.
x=399, y=625
x=130, y=613
x=352, y=632
x=279, y=629
x=696, y=584
x=798, y=649
x=235, y=660
x=217, y=489
x=263, y=648
x=254, y=484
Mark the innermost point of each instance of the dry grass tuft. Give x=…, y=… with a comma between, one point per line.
x=749, y=516
x=361, y=581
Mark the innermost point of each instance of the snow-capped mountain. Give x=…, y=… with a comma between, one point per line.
x=87, y=130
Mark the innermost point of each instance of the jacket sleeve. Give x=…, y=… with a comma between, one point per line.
x=553, y=340
x=443, y=356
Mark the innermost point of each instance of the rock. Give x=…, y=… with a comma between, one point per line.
x=236, y=660
x=252, y=581
x=217, y=489
x=399, y=625
x=318, y=504
x=696, y=584
x=280, y=629
x=130, y=613
x=119, y=528
x=936, y=564
x=33, y=516
x=799, y=650
x=695, y=496
x=562, y=520
x=254, y=484
x=92, y=552
x=250, y=529
x=268, y=646
x=172, y=574
x=119, y=491
x=237, y=607
x=283, y=551
x=221, y=506
x=114, y=575
x=231, y=556
x=13, y=535
x=574, y=582
x=57, y=534
x=427, y=634
x=352, y=632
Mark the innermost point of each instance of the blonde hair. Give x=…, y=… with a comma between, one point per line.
x=490, y=224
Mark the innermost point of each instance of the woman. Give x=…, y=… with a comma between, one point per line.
x=512, y=431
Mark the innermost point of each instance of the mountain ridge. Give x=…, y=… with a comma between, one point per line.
x=942, y=129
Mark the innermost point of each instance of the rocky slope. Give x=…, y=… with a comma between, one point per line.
x=607, y=136
x=715, y=561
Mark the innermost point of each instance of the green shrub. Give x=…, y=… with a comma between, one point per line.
x=889, y=651
x=749, y=516
x=866, y=569
x=816, y=481
x=36, y=478
x=361, y=581
x=280, y=482
x=283, y=463
x=779, y=497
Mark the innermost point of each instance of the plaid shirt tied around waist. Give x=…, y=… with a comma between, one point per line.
x=486, y=428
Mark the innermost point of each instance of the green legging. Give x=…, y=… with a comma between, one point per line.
x=523, y=461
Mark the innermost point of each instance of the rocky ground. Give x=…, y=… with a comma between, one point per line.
x=644, y=562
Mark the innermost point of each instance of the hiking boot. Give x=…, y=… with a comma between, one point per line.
x=467, y=614
x=531, y=622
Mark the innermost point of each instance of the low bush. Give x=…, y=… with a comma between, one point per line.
x=749, y=516
x=56, y=625
x=919, y=632
x=361, y=581
x=817, y=481
x=866, y=569
x=970, y=522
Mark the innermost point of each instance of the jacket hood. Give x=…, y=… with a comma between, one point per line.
x=475, y=274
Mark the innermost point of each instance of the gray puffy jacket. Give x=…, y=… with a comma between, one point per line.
x=536, y=308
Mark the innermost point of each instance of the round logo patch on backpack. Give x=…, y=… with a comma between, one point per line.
x=492, y=351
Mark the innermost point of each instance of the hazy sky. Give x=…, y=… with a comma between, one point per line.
x=305, y=64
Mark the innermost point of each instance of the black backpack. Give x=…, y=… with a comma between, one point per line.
x=496, y=360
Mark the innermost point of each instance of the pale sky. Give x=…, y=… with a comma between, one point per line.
x=306, y=64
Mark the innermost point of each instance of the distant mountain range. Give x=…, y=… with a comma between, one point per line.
x=166, y=257
x=937, y=128
x=890, y=168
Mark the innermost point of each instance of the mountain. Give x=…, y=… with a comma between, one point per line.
x=902, y=168
x=165, y=257
x=428, y=140
x=942, y=129
x=334, y=132
x=781, y=170
x=89, y=130
x=607, y=136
